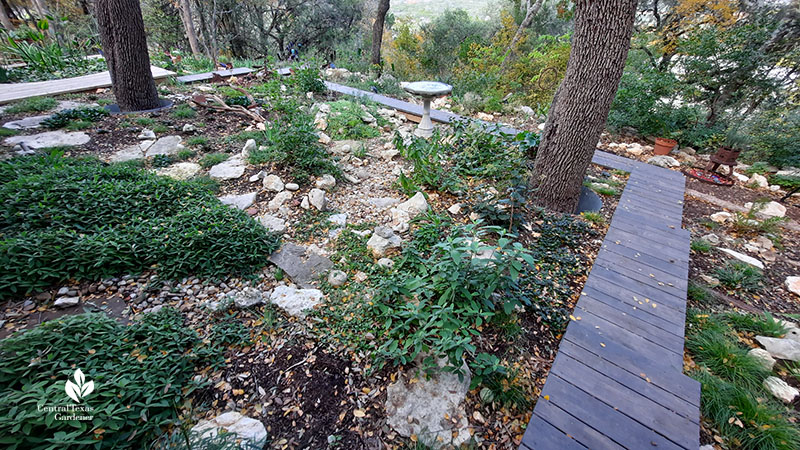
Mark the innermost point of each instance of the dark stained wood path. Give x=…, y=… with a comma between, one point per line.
x=617, y=380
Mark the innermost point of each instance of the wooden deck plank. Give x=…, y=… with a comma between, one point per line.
x=652, y=416
x=546, y=432
x=620, y=428
x=673, y=318
x=19, y=91
x=195, y=77
x=642, y=277
x=613, y=260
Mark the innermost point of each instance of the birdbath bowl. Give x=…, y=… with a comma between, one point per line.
x=427, y=90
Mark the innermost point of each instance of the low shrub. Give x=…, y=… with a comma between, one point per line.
x=63, y=118
x=212, y=159
x=345, y=121
x=141, y=374
x=65, y=218
x=739, y=275
x=184, y=112
x=33, y=104
x=700, y=246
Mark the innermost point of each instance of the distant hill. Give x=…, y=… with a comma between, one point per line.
x=425, y=10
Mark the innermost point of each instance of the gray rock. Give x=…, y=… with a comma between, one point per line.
x=180, y=171
x=386, y=263
x=337, y=278
x=228, y=170
x=454, y=209
x=302, y=265
x=66, y=302
x=296, y=301
x=430, y=408
x=742, y=257
x=188, y=128
x=763, y=357
x=781, y=348
x=167, y=145
x=326, y=182
x=279, y=199
x=248, y=297
x=249, y=147
x=338, y=219
x=382, y=203
x=250, y=430
x=292, y=186
x=146, y=134
x=712, y=239
x=721, y=217
x=382, y=240
x=272, y=223
x=131, y=152
x=273, y=183
x=770, y=209
x=26, y=123
x=758, y=180
x=242, y=201
x=780, y=389
x=664, y=161
x=404, y=212
x=317, y=199
x=48, y=139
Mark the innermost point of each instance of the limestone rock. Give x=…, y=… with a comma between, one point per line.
x=188, y=128
x=326, y=182
x=758, y=180
x=771, y=209
x=454, y=209
x=663, y=161
x=317, y=199
x=386, y=263
x=228, y=170
x=26, y=123
x=131, y=152
x=146, y=134
x=302, y=265
x=781, y=348
x=247, y=429
x=273, y=183
x=242, y=201
x=296, y=301
x=712, y=239
x=304, y=203
x=336, y=278
x=793, y=285
x=292, y=186
x=272, y=223
x=48, y=139
x=66, y=302
x=432, y=409
x=780, y=389
x=248, y=297
x=382, y=203
x=743, y=258
x=382, y=240
x=167, y=145
x=180, y=171
x=414, y=206
x=740, y=177
x=721, y=217
x=324, y=139
x=338, y=219
x=763, y=357
x=279, y=199
x=249, y=147
x=484, y=116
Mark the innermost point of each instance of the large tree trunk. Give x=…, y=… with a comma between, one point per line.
x=188, y=23
x=377, y=31
x=580, y=108
x=125, y=47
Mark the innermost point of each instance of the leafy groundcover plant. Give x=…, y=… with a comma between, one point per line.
x=66, y=218
x=141, y=375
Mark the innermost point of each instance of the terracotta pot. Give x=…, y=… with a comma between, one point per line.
x=664, y=146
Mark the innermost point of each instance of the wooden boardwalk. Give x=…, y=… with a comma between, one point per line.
x=193, y=78
x=617, y=380
x=20, y=91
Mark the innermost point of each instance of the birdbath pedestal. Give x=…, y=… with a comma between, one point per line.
x=427, y=90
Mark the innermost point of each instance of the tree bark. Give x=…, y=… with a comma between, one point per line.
x=530, y=13
x=377, y=31
x=188, y=23
x=5, y=20
x=580, y=108
x=125, y=48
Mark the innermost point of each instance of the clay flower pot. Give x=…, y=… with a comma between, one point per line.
x=664, y=146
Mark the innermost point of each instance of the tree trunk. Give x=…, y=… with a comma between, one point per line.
x=125, y=46
x=377, y=31
x=188, y=23
x=4, y=20
x=580, y=108
x=530, y=13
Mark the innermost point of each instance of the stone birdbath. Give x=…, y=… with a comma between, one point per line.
x=427, y=90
